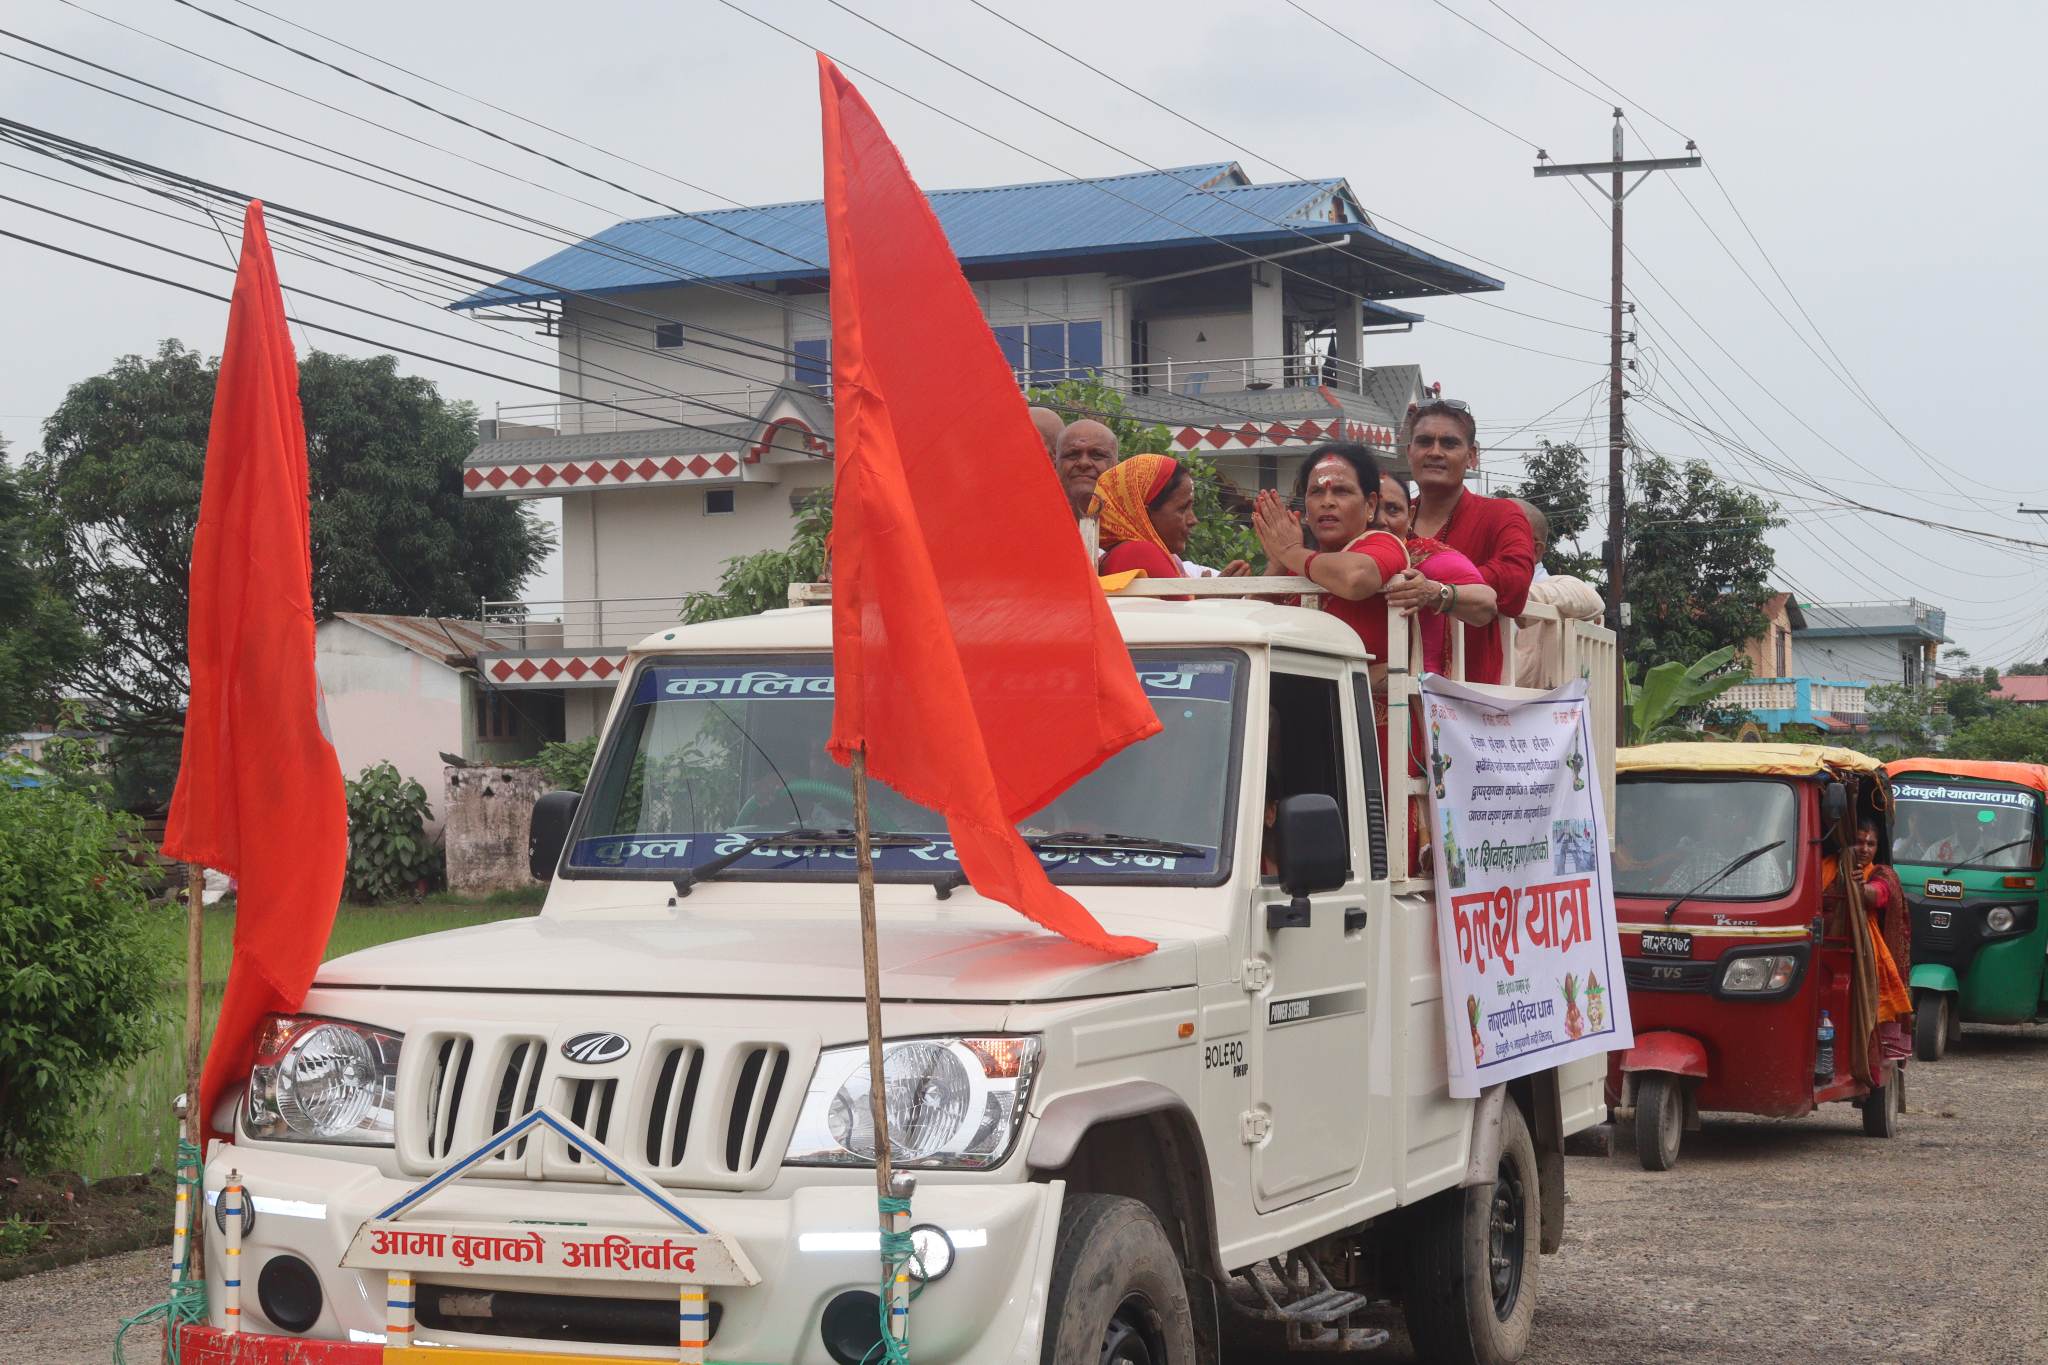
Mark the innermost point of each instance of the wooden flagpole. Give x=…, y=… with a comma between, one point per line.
x=895, y=1297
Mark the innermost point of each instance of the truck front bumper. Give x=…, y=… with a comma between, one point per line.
x=808, y=1248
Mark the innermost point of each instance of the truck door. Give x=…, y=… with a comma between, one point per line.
x=1310, y=1021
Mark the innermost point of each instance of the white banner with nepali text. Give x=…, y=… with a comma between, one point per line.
x=1525, y=894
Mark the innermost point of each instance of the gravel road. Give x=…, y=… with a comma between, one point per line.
x=1788, y=1241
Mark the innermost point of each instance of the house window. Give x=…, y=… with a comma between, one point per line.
x=814, y=365
x=668, y=334
x=1047, y=352
x=718, y=501
x=1784, y=653
x=495, y=716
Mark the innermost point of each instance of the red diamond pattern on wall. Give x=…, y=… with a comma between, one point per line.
x=645, y=469
x=526, y=669
x=1187, y=438
x=1309, y=431
x=552, y=669
x=604, y=668
x=724, y=464
x=672, y=466
x=496, y=478
x=594, y=472
x=697, y=465
x=472, y=479
x=570, y=473
x=502, y=671
x=577, y=668
x=522, y=476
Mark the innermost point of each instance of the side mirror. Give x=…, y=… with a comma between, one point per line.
x=1834, y=807
x=549, y=831
x=1310, y=845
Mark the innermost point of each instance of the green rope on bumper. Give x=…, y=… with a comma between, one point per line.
x=897, y=1253
x=187, y=1302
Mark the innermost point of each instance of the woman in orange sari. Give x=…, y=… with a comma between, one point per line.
x=1144, y=510
x=1884, y=903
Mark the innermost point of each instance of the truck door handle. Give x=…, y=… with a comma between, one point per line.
x=1291, y=914
x=1354, y=919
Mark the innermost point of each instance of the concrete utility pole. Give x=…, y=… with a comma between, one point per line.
x=1617, y=440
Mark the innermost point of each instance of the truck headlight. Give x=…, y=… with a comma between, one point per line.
x=952, y=1103
x=322, y=1080
x=1998, y=919
x=1760, y=974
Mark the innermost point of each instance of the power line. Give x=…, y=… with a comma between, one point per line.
x=1096, y=185
x=1207, y=131
x=1574, y=61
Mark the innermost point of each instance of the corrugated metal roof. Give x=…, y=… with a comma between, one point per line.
x=1145, y=211
x=444, y=639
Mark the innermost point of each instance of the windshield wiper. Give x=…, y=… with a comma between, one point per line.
x=799, y=834
x=1136, y=843
x=1980, y=857
x=1742, y=862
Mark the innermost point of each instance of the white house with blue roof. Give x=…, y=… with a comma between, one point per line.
x=698, y=350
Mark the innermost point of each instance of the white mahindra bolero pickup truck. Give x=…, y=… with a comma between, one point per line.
x=1238, y=1144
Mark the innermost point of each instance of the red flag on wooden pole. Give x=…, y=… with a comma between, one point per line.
x=259, y=792
x=978, y=664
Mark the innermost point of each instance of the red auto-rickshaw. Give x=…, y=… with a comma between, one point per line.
x=1739, y=952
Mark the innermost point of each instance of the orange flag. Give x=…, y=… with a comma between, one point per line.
x=259, y=792
x=988, y=698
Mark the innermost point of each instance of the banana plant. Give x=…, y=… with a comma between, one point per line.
x=1672, y=688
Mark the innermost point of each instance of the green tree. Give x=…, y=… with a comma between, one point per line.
x=1555, y=478
x=1901, y=723
x=2008, y=734
x=1674, y=699
x=40, y=637
x=750, y=584
x=118, y=480
x=79, y=980
x=1698, y=564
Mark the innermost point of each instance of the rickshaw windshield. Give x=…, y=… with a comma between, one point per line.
x=1946, y=824
x=1670, y=835
x=722, y=762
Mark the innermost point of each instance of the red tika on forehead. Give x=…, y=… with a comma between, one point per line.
x=1331, y=469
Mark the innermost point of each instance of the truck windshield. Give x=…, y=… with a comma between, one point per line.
x=1669, y=836
x=710, y=755
x=1948, y=824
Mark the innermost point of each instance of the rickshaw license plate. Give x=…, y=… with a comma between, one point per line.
x=1657, y=944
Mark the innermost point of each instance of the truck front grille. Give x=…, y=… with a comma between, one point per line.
x=705, y=1112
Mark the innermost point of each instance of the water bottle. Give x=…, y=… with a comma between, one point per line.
x=1824, y=1057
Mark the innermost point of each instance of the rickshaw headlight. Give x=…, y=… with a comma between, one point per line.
x=1760, y=974
x=1998, y=919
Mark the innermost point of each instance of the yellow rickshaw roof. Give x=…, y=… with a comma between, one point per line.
x=2033, y=775
x=1768, y=760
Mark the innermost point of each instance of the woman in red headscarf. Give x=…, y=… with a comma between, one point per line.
x=1144, y=511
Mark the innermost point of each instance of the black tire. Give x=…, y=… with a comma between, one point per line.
x=1116, y=1295
x=1883, y=1106
x=1469, y=1292
x=1932, y=1013
x=1955, y=1024
x=1660, y=1120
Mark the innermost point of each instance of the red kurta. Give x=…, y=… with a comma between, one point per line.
x=1494, y=535
x=1368, y=616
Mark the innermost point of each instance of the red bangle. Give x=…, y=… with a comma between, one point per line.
x=1307, y=563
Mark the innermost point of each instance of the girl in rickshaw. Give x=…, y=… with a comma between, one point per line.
x=1881, y=970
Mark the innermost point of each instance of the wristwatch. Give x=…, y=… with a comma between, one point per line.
x=1445, y=595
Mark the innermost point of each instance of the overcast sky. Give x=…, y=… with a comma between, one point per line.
x=1885, y=155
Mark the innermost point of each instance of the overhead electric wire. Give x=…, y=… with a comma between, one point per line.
x=1534, y=61
x=1281, y=266
x=1207, y=131
x=1575, y=62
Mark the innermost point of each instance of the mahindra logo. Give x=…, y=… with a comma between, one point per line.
x=595, y=1049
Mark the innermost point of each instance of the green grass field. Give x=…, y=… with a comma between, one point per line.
x=130, y=1127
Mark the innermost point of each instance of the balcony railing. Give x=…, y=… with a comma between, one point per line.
x=623, y=410
x=591, y=623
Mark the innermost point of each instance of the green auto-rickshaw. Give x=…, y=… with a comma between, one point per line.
x=1967, y=843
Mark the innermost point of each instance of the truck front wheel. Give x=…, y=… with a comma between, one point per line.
x=1116, y=1295
x=1470, y=1291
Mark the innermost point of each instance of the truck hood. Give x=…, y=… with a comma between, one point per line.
x=809, y=953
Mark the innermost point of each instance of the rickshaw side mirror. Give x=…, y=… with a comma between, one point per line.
x=1834, y=806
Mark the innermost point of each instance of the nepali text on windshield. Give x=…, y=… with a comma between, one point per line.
x=711, y=756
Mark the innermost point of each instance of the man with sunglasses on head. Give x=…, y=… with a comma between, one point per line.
x=1442, y=449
